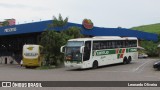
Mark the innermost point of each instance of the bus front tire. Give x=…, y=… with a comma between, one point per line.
x=95, y=65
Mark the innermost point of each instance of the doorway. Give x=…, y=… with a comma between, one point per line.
x=5, y=60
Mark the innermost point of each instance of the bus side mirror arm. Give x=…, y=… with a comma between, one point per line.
x=82, y=49
x=62, y=49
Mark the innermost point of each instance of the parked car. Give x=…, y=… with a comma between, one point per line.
x=157, y=65
x=142, y=55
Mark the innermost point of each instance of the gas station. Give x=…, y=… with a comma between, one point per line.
x=12, y=38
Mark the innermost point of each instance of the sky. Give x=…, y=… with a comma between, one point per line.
x=103, y=13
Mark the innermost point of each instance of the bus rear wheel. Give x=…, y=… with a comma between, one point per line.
x=95, y=65
x=129, y=60
x=158, y=68
x=27, y=67
x=125, y=60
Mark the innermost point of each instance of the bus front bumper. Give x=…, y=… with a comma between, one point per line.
x=73, y=65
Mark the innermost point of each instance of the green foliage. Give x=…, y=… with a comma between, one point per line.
x=153, y=28
x=73, y=32
x=58, y=22
x=5, y=23
x=150, y=47
x=52, y=40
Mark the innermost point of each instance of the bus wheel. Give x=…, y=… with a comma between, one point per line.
x=125, y=60
x=95, y=65
x=129, y=60
x=27, y=67
x=158, y=68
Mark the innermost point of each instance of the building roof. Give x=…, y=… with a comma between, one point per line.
x=96, y=31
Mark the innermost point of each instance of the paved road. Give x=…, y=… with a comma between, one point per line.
x=138, y=70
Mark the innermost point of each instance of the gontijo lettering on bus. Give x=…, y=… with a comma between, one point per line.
x=131, y=50
x=30, y=54
x=119, y=52
x=105, y=52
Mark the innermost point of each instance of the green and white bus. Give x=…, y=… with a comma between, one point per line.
x=99, y=51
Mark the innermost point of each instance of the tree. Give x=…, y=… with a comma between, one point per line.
x=58, y=22
x=73, y=32
x=52, y=40
x=150, y=47
x=5, y=23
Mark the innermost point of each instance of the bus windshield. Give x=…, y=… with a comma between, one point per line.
x=30, y=51
x=73, y=51
x=75, y=43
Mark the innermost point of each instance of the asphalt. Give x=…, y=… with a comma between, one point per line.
x=138, y=70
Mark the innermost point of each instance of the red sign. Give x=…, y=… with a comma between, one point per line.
x=87, y=23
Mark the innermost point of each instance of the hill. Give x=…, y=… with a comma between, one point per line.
x=153, y=28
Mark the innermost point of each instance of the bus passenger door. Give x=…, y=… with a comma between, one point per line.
x=87, y=51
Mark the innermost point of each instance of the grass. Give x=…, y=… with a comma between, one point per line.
x=152, y=28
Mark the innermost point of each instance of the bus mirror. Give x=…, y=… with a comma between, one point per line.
x=82, y=49
x=62, y=49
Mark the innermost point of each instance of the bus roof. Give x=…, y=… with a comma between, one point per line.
x=26, y=45
x=104, y=38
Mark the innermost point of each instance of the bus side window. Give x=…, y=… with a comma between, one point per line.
x=118, y=44
x=113, y=44
x=134, y=43
x=130, y=43
x=127, y=44
x=96, y=45
x=109, y=44
x=123, y=44
x=103, y=45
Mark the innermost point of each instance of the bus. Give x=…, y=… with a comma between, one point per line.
x=32, y=55
x=99, y=51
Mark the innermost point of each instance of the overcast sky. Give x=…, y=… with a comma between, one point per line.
x=103, y=13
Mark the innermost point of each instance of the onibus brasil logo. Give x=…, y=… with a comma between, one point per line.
x=21, y=84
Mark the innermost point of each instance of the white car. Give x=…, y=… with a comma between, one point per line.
x=142, y=55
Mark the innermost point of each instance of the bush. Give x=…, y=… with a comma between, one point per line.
x=150, y=47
